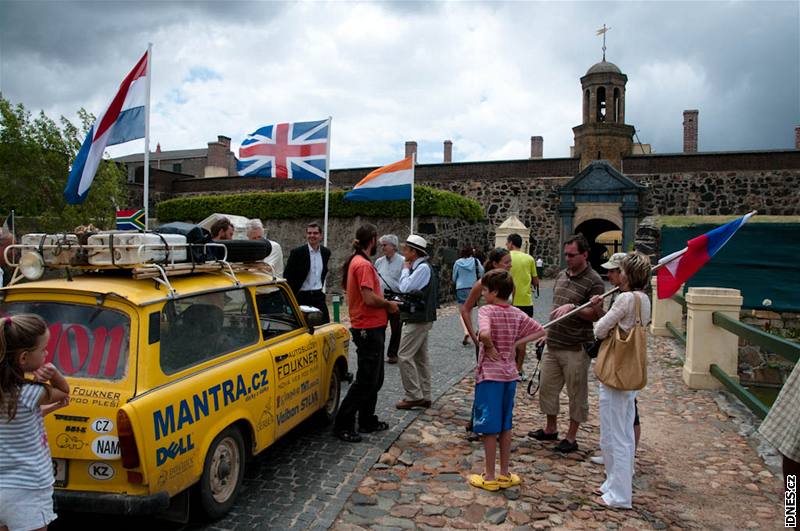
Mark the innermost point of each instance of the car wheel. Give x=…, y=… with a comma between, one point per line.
x=331, y=407
x=222, y=473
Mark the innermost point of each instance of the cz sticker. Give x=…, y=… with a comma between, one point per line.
x=102, y=425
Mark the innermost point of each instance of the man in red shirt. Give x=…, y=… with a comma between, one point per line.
x=368, y=317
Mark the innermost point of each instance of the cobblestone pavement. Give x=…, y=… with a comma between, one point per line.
x=304, y=480
x=693, y=469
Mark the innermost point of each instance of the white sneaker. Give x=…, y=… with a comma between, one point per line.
x=597, y=459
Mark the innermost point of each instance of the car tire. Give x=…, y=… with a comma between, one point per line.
x=223, y=472
x=331, y=407
x=243, y=250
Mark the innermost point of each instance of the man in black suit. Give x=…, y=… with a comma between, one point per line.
x=306, y=270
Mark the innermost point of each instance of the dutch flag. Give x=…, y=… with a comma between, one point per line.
x=389, y=183
x=123, y=121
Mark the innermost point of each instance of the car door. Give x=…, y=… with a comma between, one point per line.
x=296, y=354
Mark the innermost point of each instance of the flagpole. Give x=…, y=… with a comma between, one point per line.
x=612, y=291
x=13, y=227
x=327, y=181
x=413, y=172
x=146, y=198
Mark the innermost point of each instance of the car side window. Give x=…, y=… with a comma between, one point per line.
x=203, y=327
x=275, y=312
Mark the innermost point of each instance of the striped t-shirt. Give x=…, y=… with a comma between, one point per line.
x=506, y=324
x=25, y=461
x=572, y=332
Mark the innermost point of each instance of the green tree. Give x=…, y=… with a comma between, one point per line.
x=35, y=154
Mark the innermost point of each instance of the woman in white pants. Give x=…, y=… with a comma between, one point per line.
x=617, y=441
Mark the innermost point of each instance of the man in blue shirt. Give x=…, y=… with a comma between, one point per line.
x=390, y=267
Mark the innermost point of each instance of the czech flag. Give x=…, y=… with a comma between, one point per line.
x=389, y=183
x=679, y=266
x=123, y=121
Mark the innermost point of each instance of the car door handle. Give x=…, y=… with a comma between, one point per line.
x=281, y=358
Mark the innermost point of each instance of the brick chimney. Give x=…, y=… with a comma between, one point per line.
x=217, y=161
x=225, y=141
x=411, y=148
x=797, y=137
x=537, y=147
x=448, y=151
x=690, y=130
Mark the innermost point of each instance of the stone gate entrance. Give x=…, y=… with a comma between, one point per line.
x=602, y=204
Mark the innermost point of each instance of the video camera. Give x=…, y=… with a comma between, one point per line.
x=411, y=302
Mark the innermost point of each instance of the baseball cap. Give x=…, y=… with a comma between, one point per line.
x=615, y=262
x=417, y=242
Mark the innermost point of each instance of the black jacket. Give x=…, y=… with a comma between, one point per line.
x=299, y=264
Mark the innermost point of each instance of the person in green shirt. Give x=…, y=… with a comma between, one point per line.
x=523, y=272
x=524, y=275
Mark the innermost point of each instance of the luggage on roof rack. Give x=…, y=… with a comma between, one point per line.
x=130, y=248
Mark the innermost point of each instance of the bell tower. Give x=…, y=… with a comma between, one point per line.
x=603, y=133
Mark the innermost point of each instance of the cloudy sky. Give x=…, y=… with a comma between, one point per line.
x=487, y=75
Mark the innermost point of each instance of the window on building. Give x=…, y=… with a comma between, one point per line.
x=616, y=106
x=601, y=104
x=177, y=168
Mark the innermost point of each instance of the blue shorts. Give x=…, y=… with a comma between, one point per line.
x=462, y=295
x=493, y=407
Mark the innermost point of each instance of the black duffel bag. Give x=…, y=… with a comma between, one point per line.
x=195, y=234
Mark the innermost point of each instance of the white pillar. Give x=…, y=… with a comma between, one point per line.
x=707, y=344
x=665, y=311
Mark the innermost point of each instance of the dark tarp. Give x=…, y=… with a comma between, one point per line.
x=762, y=260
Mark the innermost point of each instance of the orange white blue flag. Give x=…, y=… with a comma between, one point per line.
x=389, y=183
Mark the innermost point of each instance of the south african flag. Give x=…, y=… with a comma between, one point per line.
x=130, y=219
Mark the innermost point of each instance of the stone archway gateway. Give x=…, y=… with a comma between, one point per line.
x=598, y=200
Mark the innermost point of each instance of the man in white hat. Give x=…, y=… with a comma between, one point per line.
x=419, y=280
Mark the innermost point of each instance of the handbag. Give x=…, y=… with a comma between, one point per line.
x=622, y=362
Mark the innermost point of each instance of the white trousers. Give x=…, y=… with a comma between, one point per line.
x=618, y=445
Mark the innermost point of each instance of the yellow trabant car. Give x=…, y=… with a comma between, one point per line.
x=175, y=384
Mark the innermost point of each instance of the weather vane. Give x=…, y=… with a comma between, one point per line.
x=602, y=31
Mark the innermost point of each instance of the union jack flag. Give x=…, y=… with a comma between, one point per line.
x=296, y=150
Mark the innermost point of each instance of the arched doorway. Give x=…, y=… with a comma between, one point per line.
x=603, y=240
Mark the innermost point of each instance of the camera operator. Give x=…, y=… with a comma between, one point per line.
x=367, y=309
x=417, y=316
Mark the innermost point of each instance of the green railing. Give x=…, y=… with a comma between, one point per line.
x=680, y=336
x=778, y=345
x=748, y=399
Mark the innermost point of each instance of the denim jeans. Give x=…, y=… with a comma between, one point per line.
x=363, y=393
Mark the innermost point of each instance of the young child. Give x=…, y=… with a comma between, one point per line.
x=502, y=329
x=26, y=470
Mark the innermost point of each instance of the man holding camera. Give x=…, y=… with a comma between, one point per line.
x=417, y=312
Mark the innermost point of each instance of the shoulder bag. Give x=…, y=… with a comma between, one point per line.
x=622, y=363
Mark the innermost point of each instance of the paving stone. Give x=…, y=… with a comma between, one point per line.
x=496, y=515
x=361, y=499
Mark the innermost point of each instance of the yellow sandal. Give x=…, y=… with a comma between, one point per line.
x=477, y=480
x=511, y=480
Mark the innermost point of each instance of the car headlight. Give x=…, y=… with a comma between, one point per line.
x=31, y=265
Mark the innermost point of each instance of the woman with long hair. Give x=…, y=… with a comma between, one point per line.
x=617, y=440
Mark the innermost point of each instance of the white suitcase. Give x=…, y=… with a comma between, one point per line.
x=56, y=249
x=132, y=248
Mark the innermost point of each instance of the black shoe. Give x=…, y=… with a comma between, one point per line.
x=541, y=435
x=347, y=436
x=566, y=447
x=378, y=426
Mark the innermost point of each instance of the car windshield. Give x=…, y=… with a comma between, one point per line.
x=85, y=341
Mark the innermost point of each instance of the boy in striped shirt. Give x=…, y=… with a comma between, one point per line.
x=502, y=328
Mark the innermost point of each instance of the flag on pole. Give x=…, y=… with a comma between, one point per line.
x=389, y=183
x=297, y=150
x=131, y=219
x=122, y=122
x=680, y=266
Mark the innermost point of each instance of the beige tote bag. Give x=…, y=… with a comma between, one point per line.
x=622, y=363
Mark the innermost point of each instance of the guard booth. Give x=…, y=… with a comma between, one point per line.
x=513, y=225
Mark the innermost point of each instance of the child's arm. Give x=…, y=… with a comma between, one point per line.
x=59, y=387
x=534, y=331
x=489, y=351
x=49, y=408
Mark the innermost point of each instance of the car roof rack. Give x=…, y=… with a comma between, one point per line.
x=64, y=251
